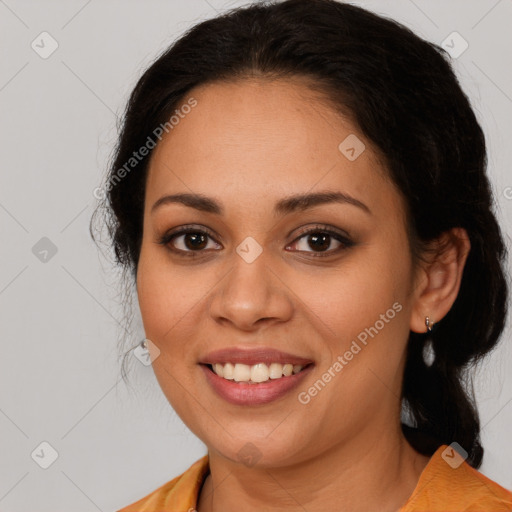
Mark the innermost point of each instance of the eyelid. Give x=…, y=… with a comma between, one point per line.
x=324, y=228
x=195, y=228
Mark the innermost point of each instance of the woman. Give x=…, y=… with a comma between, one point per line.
x=299, y=192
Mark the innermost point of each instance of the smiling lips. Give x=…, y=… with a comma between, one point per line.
x=255, y=376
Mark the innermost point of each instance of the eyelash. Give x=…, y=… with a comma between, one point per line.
x=166, y=239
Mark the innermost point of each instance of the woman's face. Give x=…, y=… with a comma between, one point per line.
x=328, y=283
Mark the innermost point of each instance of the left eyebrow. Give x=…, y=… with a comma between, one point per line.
x=302, y=202
x=284, y=206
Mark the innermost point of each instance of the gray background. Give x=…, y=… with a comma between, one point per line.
x=60, y=314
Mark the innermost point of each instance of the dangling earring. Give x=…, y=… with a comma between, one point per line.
x=429, y=355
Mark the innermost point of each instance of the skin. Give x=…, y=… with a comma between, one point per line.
x=249, y=144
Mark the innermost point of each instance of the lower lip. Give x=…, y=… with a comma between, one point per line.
x=241, y=393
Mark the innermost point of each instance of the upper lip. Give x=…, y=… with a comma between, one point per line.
x=251, y=356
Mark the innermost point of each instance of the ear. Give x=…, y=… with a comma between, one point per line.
x=439, y=278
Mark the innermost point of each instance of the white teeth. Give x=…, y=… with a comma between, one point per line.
x=276, y=371
x=219, y=370
x=227, y=371
x=256, y=373
x=287, y=370
x=259, y=373
x=242, y=372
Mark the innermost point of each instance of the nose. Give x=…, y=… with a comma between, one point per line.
x=251, y=295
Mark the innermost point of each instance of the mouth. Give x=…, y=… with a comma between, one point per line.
x=254, y=377
x=255, y=384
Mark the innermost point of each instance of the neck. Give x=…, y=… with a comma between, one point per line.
x=362, y=475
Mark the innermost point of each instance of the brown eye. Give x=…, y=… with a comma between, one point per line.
x=317, y=242
x=320, y=242
x=195, y=241
x=188, y=241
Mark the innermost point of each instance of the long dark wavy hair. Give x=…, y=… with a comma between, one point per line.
x=403, y=95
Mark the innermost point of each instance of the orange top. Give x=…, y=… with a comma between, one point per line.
x=447, y=484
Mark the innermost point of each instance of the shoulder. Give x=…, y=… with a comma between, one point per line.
x=180, y=493
x=448, y=483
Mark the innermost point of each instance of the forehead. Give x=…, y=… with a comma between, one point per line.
x=263, y=137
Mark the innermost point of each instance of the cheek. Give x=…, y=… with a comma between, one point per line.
x=352, y=297
x=167, y=297
x=362, y=310
x=167, y=300
x=363, y=314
